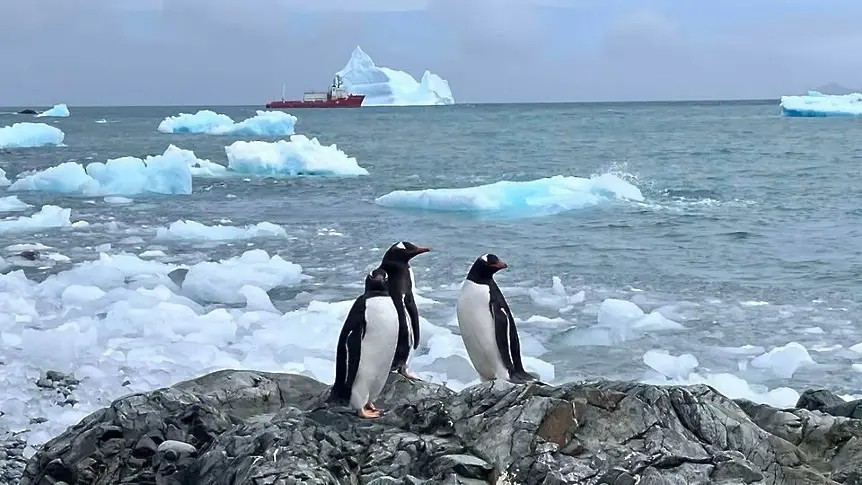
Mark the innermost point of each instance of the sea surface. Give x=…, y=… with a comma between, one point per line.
x=749, y=234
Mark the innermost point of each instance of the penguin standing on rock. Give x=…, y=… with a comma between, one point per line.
x=366, y=347
x=396, y=263
x=487, y=326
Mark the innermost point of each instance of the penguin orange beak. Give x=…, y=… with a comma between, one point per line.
x=500, y=265
x=420, y=250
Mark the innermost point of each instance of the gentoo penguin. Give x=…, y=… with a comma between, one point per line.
x=486, y=323
x=366, y=347
x=396, y=263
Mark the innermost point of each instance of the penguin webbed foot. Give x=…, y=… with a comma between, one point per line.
x=369, y=411
x=406, y=373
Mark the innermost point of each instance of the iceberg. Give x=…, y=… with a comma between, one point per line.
x=264, y=123
x=541, y=197
x=169, y=173
x=383, y=86
x=817, y=104
x=299, y=156
x=58, y=111
x=30, y=135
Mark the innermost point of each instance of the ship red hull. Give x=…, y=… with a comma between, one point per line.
x=352, y=101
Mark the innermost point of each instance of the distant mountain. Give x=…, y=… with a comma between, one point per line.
x=834, y=88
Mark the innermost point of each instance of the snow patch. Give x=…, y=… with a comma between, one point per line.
x=30, y=135
x=383, y=86
x=299, y=156
x=533, y=198
x=264, y=123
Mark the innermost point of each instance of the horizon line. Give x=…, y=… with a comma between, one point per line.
x=263, y=105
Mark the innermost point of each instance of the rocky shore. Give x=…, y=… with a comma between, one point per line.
x=243, y=427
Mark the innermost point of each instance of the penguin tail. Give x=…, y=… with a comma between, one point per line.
x=522, y=377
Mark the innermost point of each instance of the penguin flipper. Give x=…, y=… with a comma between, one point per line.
x=506, y=333
x=501, y=333
x=413, y=312
x=348, y=351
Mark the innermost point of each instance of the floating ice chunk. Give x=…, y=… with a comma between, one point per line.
x=256, y=299
x=200, y=167
x=12, y=203
x=735, y=387
x=4, y=182
x=30, y=135
x=58, y=111
x=540, y=197
x=817, y=104
x=618, y=321
x=168, y=173
x=558, y=299
x=118, y=200
x=101, y=121
x=383, y=86
x=264, y=123
x=299, y=156
x=783, y=361
x=673, y=367
x=195, y=231
x=222, y=282
x=49, y=217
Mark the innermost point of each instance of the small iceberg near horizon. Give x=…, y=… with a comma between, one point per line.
x=264, y=123
x=57, y=111
x=817, y=104
x=533, y=198
x=30, y=135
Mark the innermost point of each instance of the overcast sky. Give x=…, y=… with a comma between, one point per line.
x=138, y=52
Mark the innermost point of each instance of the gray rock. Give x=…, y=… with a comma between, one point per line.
x=239, y=427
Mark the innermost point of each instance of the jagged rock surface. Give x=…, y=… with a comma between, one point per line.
x=241, y=427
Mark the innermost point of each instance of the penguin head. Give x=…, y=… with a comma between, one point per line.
x=485, y=267
x=377, y=280
x=403, y=252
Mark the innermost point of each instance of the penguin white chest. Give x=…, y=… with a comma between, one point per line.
x=378, y=350
x=478, y=331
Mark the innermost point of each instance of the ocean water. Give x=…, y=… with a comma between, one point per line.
x=748, y=235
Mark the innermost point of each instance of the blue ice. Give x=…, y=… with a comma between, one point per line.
x=264, y=123
x=28, y=135
x=169, y=173
x=58, y=111
x=817, y=104
x=532, y=198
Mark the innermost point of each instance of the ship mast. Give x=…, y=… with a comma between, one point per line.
x=282, y=91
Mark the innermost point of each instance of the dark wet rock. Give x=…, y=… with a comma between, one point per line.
x=28, y=111
x=243, y=427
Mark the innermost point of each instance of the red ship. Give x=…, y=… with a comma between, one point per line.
x=334, y=98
